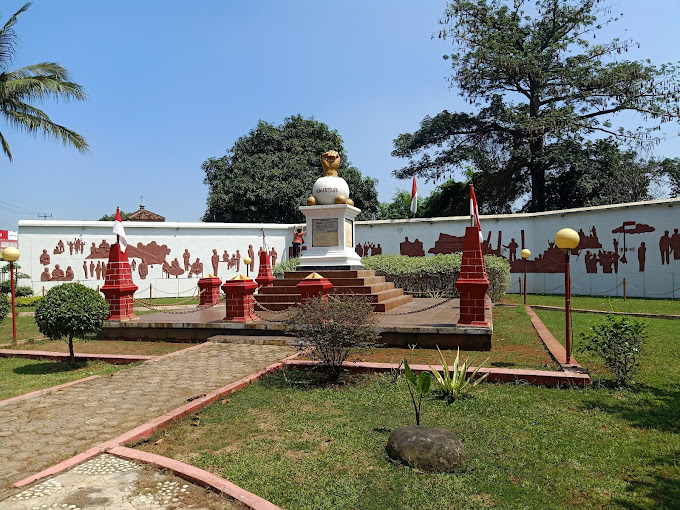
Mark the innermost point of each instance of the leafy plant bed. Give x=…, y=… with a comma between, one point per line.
x=302, y=445
x=660, y=360
x=105, y=347
x=515, y=344
x=607, y=304
x=21, y=375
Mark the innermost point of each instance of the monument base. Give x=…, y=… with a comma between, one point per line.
x=330, y=235
x=358, y=267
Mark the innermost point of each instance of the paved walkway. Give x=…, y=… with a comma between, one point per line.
x=38, y=432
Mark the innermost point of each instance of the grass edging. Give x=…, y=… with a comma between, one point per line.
x=197, y=476
x=123, y=359
x=45, y=390
x=604, y=312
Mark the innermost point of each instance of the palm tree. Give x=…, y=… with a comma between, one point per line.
x=18, y=88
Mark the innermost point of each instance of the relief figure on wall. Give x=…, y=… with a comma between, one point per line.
x=91, y=269
x=675, y=244
x=69, y=273
x=57, y=273
x=215, y=259
x=85, y=268
x=225, y=257
x=512, y=250
x=642, y=255
x=665, y=248
x=196, y=268
x=143, y=269
x=45, y=258
x=273, y=255
x=45, y=275
x=98, y=270
x=411, y=249
x=251, y=254
x=175, y=268
x=186, y=256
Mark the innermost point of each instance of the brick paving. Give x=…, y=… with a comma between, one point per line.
x=38, y=432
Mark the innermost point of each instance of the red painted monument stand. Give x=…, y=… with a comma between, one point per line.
x=240, y=301
x=209, y=290
x=265, y=277
x=118, y=287
x=473, y=281
x=314, y=285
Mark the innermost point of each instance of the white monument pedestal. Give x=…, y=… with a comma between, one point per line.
x=330, y=238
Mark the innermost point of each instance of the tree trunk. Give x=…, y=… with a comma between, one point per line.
x=537, y=173
x=70, y=350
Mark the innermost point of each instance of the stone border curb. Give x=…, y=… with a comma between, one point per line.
x=149, y=428
x=196, y=476
x=555, y=348
x=45, y=390
x=603, y=312
x=122, y=359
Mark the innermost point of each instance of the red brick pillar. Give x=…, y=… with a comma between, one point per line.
x=314, y=285
x=118, y=287
x=473, y=281
x=240, y=301
x=265, y=277
x=209, y=290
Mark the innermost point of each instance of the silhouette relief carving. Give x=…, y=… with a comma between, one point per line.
x=70, y=247
x=512, y=250
x=103, y=270
x=642, y=255
x=85, y=268
x=238, y=261
x=58, y=273
x=143, y=269
x=196, y=268
x=166, y=269
x=91, y=269
x=225, y=258
x=410, y=248
x=133, y=265
x=251, y=254
x=45, y=258
x=152, y=252
x=45, y=275
x=69, y=274
x=273, y=255
x=665, y=248
x=675, y=244
x=186, y=256
x=98, y=270
x=215, y=259
x=100, y=252
x=445, y=244
x=175, y=269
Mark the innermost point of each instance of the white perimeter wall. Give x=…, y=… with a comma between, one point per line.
x=656, y=280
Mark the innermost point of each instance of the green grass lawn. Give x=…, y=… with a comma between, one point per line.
x=607, y=304
x=27, y=330
x=105, y=347
x=21, y=375
x=514, y=344
x=301, y=445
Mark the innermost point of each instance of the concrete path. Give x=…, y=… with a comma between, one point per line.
x=38, y=432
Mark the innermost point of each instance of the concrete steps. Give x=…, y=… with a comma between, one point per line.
x=384, y=296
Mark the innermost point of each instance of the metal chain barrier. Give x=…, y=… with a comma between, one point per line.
x=651, y=293
x=541, y=291
x=265, y=309
x=151, y=306
x=420, y=310
x=597, y=293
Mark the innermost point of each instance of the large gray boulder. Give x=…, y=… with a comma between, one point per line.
x=429, y=449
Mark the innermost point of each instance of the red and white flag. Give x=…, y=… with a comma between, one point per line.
x=474, y=213
x=120, y=231
x=414, y=196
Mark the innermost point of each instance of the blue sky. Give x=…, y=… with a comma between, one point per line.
x=171, y=83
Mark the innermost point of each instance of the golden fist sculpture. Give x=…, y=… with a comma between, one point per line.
x=311, y=201
x=330, y=161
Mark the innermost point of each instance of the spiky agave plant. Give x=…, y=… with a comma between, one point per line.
x=454, y=383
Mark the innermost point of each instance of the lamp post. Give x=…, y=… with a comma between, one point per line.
x=525, y=255
x=566, y=240
x=247, y=261
x=11, y=255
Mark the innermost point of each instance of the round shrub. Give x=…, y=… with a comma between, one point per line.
x=71, y=311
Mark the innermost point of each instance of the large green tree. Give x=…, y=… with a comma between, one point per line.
x=20, y=88
x=270, y=172
x=537, y=77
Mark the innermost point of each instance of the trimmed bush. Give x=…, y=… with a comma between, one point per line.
x=436, y=275
x=27, y=301
x=287, y=265
x=69, y=311
x=5, y=307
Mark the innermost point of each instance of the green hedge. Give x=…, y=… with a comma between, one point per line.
x=28, y=301
x=5, y=307
x=426, y=275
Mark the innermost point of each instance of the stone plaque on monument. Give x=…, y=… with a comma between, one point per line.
x=325, y=232
x=349, y=230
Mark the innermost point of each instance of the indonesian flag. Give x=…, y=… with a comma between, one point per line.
x=474, y=213
x=414, y=196
x=120, y=231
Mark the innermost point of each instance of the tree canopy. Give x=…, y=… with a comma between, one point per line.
x=20, y=88
x=541, y=84
x=268, y=173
